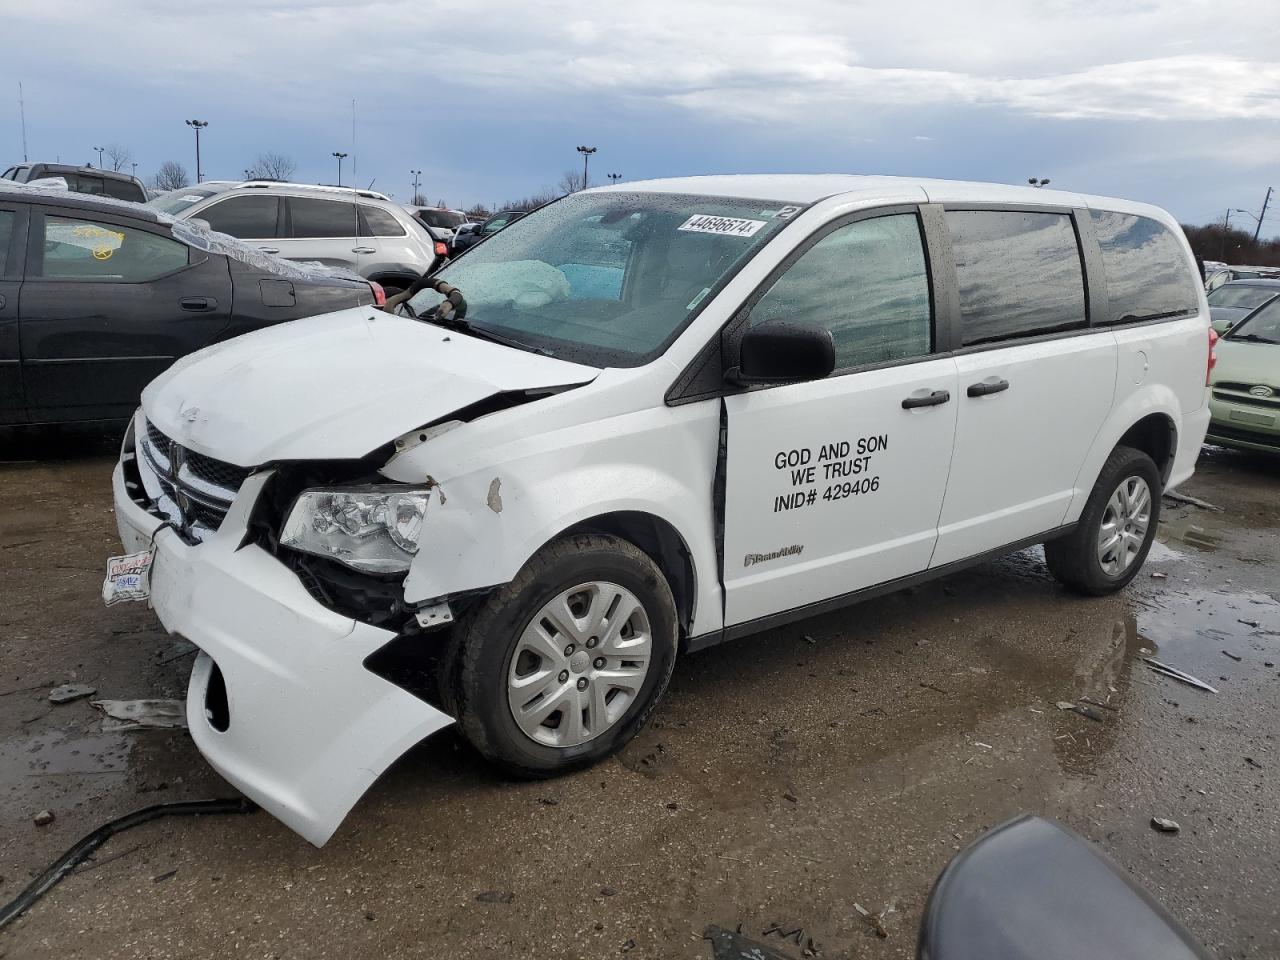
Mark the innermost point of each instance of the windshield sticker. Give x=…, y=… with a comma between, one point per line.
x=191, y=198
x=786, y=213
x=730, y=226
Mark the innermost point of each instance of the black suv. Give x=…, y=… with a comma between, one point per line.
x=98, y=297
x=102, y=183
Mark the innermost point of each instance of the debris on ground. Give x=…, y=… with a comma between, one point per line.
x=1193, y=501
x=177, y=650
x=136, y=714
x=1098, y=703
x=1082, y=709
x=809, y=639
x=876, y=921
x=608, y=892
x=785, y=931
x=1158, y=575
x=161, y=878
x=1164, y=825
x=496, y=896
x=71, y=691
x=732, y=945
x=43, y=818
x=1250, y=623
x=629, y=945
x=1176, y=674
x=1226, y=653
x=1253, y=763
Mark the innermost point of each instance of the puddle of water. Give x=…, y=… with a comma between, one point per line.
x=1189, y=629
x=59, y=762
x=1193, y=528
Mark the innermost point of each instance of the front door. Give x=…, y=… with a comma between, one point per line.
x=12, y=253
x=836, y=485
x=107, y=305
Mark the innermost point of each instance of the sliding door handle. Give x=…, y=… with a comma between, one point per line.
x=987, y=387
x=928, y=400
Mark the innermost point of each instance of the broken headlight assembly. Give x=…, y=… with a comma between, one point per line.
x=371, y=529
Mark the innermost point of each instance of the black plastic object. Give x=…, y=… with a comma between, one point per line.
x=934, y=399
x=42, y=884
x=1033, y=890
x=784, y=352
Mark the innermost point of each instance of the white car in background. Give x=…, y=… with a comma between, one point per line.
x=637, y=422
x=358, y=230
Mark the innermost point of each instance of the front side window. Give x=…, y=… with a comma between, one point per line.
x=868, y=284
x=1241, y=296
x=1019, y=273
x=1262, y=326
x=379, y=223
x=606, y=279
x=1148, y=274
x=247, y=217
x=89, y=250
x=316, y=219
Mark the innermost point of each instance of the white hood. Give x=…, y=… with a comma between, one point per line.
x=335, y=386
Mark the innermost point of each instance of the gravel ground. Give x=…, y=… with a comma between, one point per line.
x=786, y=777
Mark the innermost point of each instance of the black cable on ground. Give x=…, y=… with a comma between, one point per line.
x=78, y=853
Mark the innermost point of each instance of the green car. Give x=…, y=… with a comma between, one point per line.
x=1245, y=398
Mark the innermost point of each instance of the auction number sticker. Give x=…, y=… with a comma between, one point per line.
x=726, y=226
x=128, y=577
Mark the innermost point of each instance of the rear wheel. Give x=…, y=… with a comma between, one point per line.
x=562, y=666
x=1113, y=536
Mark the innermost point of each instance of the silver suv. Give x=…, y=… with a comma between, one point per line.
x=359, y=230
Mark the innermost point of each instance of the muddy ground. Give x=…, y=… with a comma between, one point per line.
x=787, y=777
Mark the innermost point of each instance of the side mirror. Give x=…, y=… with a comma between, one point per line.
x=781, y=351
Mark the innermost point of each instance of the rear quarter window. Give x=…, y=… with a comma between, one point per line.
x=1148, y=274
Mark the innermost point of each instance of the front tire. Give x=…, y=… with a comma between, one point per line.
x=1114, y=534
x=563, y=665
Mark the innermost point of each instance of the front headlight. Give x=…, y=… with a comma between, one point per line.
x=373, y=529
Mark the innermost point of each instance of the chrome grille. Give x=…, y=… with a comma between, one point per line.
x=190, y=489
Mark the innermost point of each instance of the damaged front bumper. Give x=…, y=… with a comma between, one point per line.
x=280, y=702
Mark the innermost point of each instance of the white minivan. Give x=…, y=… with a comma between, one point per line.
x=640, y=421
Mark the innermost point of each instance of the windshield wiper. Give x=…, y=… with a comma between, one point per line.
x=1254, y=338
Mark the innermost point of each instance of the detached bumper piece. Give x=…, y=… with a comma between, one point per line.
x=279, y=703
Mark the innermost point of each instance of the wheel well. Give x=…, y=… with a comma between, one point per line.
x=664, y=545
x=1157, y=437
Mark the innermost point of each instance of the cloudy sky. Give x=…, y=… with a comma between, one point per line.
x=1171, y=101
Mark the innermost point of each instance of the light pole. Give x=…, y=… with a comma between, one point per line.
x=416, y=175
x=135, y=167
x=99, y=149
x=1038, y=183
x=340, y=157
x=197, y=126
x=615, y=177
x=586, y=157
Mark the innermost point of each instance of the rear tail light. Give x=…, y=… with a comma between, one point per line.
x=1213, y=355
x=379, y=295
x=441, y=249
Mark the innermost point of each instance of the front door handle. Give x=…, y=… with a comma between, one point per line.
x=363, y=250
x=197, y=304
x=986, y=387
x=930, y=400
x=269, y=249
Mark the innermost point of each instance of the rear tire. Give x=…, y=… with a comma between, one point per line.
x=587, y=631
x=1113, y=536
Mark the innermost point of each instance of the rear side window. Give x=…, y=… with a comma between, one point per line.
x=89, y=250
x=246, y=217
x=378, y=223
x=1019, y=273
x=867, y=283
x=322, y=218
x=1148, y=274
x=6, y=236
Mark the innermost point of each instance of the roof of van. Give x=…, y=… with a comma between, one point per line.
x=811, y=187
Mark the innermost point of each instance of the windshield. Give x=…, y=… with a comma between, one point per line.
x=1239, y=295
x=175, y=201
x=607, y=278
x=1261, y=326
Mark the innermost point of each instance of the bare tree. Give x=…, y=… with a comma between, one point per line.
x=572, y=182
x=441, y=204
x=478, y=212
x=418, y=200
x=119, y=157
x=171, y=176
x=272, y=166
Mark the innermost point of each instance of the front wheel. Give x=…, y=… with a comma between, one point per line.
x=561, y=667
x=1113, y=536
